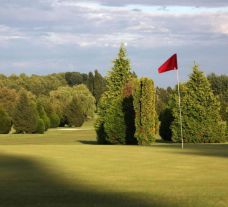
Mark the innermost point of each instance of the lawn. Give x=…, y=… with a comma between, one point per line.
x=67, y=168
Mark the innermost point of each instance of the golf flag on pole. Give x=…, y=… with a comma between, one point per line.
x=170, y=64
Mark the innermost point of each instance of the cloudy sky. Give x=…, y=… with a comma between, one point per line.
x=47, y=36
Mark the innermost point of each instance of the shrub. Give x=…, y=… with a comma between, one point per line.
x=40, y=126
x=43, y=116
x=101, y=135
x=5, y=122
x=54, y=120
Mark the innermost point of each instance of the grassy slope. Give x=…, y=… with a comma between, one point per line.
x=66, y=168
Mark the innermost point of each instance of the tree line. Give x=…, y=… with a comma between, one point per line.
x=130, y=109
x=32, y=104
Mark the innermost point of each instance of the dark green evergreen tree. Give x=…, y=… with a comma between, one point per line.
x=5, y=122
x=74, y=113
x=202, y=122
x=166, y=119
x=145, y=113
x=100, y=131
x=164, y=112
x=129, y=111
x=99, y=86
x=110, y=108
x=90, y=82
x=25, y=117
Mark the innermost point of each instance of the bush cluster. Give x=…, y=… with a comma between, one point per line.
x=128, y=109
x=119, y=107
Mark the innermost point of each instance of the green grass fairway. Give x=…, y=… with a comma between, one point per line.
x=67, y=168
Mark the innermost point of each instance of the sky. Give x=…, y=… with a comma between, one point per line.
x=51, y=36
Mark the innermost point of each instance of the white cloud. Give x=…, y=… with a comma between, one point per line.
x=8, y=34
x=91, y=25
x=90, y=40
x=220, y=23
x=63, y=33
x=196, y=3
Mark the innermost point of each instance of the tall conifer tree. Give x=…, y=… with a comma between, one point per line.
x=90, y=82
x=99, y=86
x=111, y=121
x=145, y=112
x=25, y=117
x=5, y=122
x=200, y=109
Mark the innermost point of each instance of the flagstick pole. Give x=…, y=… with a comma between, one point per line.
x=178, y=86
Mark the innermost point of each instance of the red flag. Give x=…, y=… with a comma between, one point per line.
x=170, y=64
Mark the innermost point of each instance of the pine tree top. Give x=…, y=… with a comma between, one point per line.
x=198, y=99
x=122, y=52
x=120, y=73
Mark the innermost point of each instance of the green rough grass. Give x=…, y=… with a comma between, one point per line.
x=67, y=168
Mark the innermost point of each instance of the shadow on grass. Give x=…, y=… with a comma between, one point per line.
x=94, y=142
x=216, y=150
x=88, y=142
x=163, y=141
x=27, y=183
